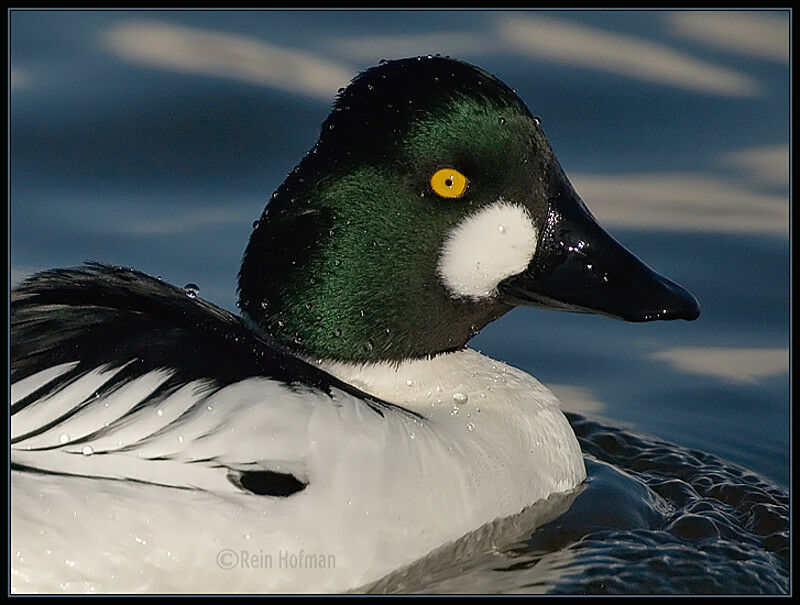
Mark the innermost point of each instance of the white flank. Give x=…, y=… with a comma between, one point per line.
x=485, y=248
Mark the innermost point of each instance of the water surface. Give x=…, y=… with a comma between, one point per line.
x=128, y=152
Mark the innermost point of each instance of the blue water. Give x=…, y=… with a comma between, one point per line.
x=117, y=160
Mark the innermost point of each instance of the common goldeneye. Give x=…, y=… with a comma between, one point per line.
x=340, y=428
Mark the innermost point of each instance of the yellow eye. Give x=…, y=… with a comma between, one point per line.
x=448, y=182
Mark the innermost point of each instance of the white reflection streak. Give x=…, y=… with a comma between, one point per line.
x=684, y=202
x=19, y=78
x=226, y=55
x=372, y=48
x=199, y=219
x=737, y=365
x=750, y=33
x=770, y=165
x=576, y=399
x=549, y=39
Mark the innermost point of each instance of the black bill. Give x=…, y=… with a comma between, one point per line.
x=579, y=267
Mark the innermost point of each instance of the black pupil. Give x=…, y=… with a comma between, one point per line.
x=449, y=182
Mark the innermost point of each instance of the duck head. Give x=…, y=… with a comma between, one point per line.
x=432, y=204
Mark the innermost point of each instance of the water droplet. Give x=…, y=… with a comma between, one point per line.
x=256, y=224
x=192, y=290
x=501, y=228
x=460, y=397
x=409, y=382
x=87, y=451
x=470, y=426
x=455, y=410
x=180, y=438
x=370, y=87
x=382, y=61
x=412, y=435
x=63, y=438
x=502, y=121
x=341, y=90
x=368, y=345
x=159, y=412
x=538, y=120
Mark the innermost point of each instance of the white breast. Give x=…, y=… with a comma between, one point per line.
x=382, y=490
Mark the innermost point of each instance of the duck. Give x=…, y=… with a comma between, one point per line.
x=339, y=427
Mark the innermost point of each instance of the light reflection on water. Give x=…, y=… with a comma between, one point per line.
x=142, y=155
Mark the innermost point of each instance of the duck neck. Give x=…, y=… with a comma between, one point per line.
x=326, y=302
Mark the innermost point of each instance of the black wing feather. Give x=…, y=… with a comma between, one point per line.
x=102, y=315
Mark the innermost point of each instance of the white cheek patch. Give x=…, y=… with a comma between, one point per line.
x=497, y=242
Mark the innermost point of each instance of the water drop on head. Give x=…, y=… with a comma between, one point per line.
x=159, y=412
x=470, y=427
x=256, y=224
x=501, y=228
x=192, y=290
x=87, y=451
x=538, y=120
x=63, y=438
x=460, y=397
